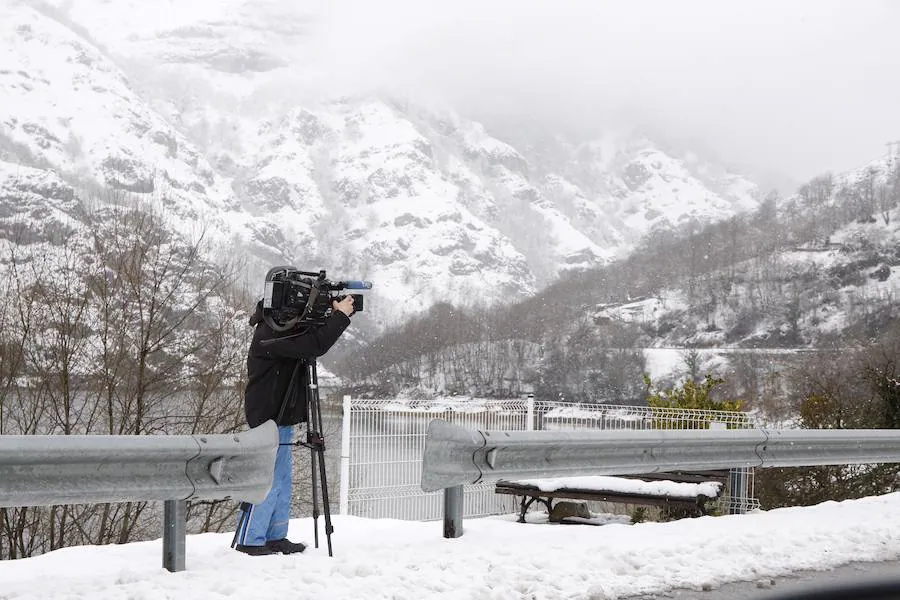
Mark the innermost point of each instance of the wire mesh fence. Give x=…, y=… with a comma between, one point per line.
x=384, y=441
x=558, y=415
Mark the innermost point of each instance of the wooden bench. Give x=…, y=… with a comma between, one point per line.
x=692, y=490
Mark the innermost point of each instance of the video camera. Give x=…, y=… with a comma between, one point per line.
x=295, y=298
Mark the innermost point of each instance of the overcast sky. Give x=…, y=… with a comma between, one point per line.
x=796, y=86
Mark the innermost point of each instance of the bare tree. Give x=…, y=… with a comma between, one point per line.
x=864, y=195
x=817, y=199
x=122, y=327
x=884, y=200
x=887, y=195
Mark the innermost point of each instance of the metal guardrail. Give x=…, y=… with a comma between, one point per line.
x=42, y=470
x=454, y=456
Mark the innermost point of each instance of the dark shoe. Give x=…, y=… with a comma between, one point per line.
x=256, y=550
x=285, y=546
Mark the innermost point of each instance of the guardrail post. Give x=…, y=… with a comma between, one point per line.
x=453, y=512
x=174, y=526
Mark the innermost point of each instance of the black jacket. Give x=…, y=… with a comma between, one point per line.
x=271, y=365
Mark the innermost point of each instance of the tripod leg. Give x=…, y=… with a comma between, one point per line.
x=315, y=422
x=242, y=523
x=325, y=503
x=315, y=497
x=314, y=439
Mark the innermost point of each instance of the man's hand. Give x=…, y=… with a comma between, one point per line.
x=345, y=305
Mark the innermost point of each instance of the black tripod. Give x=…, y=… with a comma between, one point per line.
x=315, y=441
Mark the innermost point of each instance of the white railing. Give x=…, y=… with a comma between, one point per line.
x=383, y=442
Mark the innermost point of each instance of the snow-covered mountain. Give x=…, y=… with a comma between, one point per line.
x=200, y=107
x=830, y=279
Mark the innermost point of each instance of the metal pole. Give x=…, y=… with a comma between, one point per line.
x=453, y=512
x=529, y=413
x=174, y=525
x=344, y=490
x=317, y=444
x=738, y=482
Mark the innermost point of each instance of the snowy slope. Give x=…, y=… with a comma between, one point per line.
x=68, y=106
x=802, y=295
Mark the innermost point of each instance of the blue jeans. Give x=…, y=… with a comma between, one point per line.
x=269, y=520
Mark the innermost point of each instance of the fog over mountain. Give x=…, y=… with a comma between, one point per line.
x=768, y=85
x=326, y=135
x=797, y=88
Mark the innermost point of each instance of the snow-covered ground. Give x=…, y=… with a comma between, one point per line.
x=496, y=558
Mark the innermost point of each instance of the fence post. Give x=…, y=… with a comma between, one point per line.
x=737, y=482
x=529, y=413
x=344, y=492
x=174, y=526
x=453, y=512
x=739, y=493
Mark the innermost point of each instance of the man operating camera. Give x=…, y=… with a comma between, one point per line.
x=274, y=367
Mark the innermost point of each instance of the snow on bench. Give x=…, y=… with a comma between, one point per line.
x=689, y=490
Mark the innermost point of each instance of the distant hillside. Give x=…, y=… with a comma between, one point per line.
x=815, y=271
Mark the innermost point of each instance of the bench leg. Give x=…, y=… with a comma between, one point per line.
x=548, y=502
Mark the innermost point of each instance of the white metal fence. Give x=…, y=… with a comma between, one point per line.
x=383, y=442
